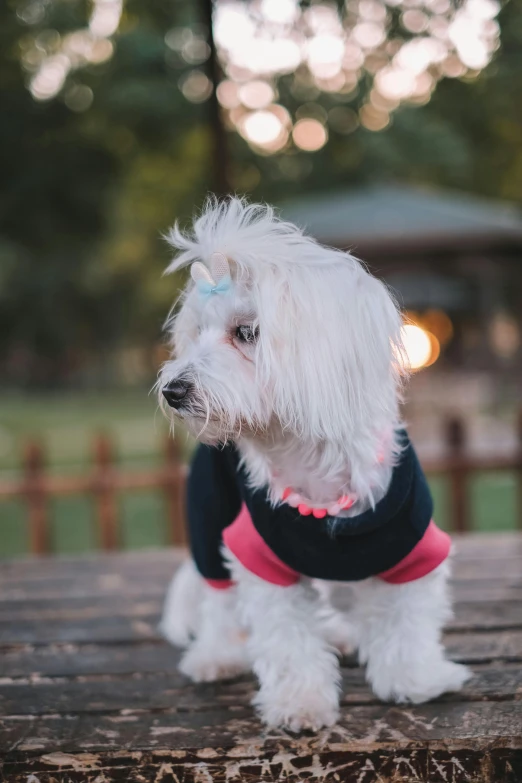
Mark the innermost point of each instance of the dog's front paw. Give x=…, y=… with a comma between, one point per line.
x=309, y=708
x=203, y=664
x=419, y=683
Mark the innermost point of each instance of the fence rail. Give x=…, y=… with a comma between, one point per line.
x=105, y=481
x=102, y=483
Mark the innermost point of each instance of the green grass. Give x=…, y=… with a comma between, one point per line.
x=142, y=516
x=492, y=497
x=66, y=424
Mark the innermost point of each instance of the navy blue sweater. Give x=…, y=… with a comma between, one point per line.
x=337, y=549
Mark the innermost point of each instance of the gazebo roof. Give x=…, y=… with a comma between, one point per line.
x=401, y=215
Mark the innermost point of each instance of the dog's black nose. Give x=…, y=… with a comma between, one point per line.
x=176, y=392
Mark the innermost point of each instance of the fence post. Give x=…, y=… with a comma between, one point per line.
x=35, y=493
x=458, y=474
x=174, y=488
x=104, y=492
x=519, y=470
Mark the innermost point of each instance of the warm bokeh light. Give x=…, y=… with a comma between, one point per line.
x=52, y=58
x=228, y=94
x=309, y=135
x=105, y=17
x=418, y=346
x=393, y=51
x=396, y=51
x=265, y=129
x=279, y=11
x=324, y=55
x=256, y=94
x=374, y=118
x=262, y=127
x=439, y=323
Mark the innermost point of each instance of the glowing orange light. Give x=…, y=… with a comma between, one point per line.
x=439, y=324
x=421, y=347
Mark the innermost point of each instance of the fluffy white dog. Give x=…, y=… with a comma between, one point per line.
x=290, y=353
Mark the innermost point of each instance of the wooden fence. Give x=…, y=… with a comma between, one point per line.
x=102, y=484
x=105, y=481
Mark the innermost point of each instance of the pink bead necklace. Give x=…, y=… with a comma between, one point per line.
x=343, y=503
x=297, y=501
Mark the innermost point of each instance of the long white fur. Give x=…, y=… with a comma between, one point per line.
x=311, y=405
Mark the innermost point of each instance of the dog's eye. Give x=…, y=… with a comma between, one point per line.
x=246, y=334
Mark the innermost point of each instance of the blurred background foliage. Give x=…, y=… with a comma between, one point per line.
x=94, y=167
x=109, y=132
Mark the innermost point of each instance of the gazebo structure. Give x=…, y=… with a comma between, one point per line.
x=455, y=262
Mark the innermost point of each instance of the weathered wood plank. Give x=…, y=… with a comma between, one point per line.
x=119, y=710
x=172, y=693
x=86, y=585
x=431, y=763
x=67, y=608
x=30, y=569
x=99, y=629
x=113, y=588
x=469, y=615
x=480, y=554
x=486, y=545
x=15, y=603
x=488, y=568
x=491, y=615
x=360, y=728
x=149, y=600
x=72, y=660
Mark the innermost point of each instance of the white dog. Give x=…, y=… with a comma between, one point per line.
x=290, y=353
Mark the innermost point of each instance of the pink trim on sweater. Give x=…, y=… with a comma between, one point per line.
x=248, y=546
x=433, y=548
x=220, y=584
x=243, y=540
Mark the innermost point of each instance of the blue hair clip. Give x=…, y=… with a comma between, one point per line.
x=217, y=280
x=206, y=289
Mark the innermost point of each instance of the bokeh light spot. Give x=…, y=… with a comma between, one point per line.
x=78, y=97
x=309, y=135
x=261, y=127
x=196, y=87
x=228, y=94
x=417, y=347
x=256, y=94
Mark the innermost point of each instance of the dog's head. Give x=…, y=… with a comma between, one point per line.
x=275, y=331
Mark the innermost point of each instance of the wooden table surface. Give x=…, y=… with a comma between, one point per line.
x=88, y=692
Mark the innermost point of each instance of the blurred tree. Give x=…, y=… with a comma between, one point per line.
x=106, y=139
x=80, y=212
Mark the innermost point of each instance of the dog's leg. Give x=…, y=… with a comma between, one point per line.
x=219, y=650
x=181, y=610
x=297, y=669
x=399, y=628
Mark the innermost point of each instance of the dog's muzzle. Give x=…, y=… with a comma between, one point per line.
x=177, y=392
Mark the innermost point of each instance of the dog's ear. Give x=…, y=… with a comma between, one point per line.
x=331, y=332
